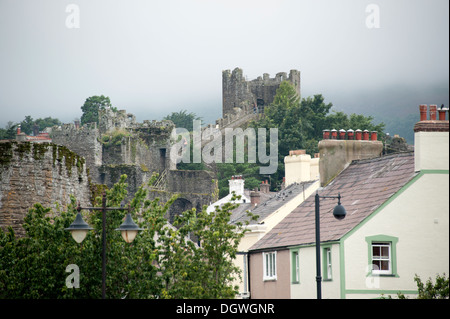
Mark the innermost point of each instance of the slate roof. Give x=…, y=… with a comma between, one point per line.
x=269, y=203
x=364, y=185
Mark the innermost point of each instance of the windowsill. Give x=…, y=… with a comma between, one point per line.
x=327, y=280
x=270, y=279
x=295, y=282
x=384, y=275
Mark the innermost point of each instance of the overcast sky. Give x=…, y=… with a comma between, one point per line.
x=155, y=57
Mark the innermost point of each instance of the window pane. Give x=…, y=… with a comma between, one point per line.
x=375, y=251
x=376, y=265
x=385, y=252
x=270, y=265
x=273, y=265
x=384, y=265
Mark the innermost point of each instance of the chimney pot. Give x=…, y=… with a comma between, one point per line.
x=358, y=134
x=365, y=135
x=442, y=112
x=333, y=134
x=433, y=109
x=350, y=134
x=373, y=136
x=342, y=134
x=423, y=112
x=326, y=134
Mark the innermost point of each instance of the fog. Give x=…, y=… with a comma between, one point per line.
x=157, y=57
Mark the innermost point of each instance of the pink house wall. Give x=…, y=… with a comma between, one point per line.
x=270, y=289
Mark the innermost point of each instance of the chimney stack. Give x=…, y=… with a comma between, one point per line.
x=236, y=184
x=255, y=198
x=431, y=140
x=335, y=155
x=264, y=187
x=297, y=167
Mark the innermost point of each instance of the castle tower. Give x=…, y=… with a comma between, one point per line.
x=260, y=92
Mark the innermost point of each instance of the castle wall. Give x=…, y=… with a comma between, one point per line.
x=238, y=92
x=38, y=173
x=82, y=140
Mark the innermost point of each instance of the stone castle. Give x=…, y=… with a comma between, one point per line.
x=120, y=145
x=237, y=92
x=33, y=170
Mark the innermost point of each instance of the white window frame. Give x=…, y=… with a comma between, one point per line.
x=329, y=270
x=382, y=258
x=270, y=265
x=295, y=267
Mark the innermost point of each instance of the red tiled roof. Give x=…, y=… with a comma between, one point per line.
x=364, y=186
x=40, y=137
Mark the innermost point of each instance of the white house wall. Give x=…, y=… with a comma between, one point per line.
x=419, y=217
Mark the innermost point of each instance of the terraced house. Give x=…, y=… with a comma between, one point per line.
x=396, y=226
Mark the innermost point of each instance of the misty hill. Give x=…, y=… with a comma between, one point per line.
x=397, y=107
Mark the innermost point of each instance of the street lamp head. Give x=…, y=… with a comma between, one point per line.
x=129, y=229
x=339, y=211
x=78, y=228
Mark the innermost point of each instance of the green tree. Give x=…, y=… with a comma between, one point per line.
x=429, y=290
x=438, y=290
x=26, y=126
x=91, y=107
x=9, y=132
x=182, y=119
x=160, y=263
x=43, y=123
x=206, y=271
x=300, y=123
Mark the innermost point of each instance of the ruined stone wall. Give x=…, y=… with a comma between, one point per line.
x=84, y=140
x=38, y=173
x=235, y=92
x=238, y=92
x=193, y=188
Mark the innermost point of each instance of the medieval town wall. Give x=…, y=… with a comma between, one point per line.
x=38, y=173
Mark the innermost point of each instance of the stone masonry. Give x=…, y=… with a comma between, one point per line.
x=38, y=173
x=237, y=92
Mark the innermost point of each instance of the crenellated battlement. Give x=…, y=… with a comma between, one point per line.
x=254, y=95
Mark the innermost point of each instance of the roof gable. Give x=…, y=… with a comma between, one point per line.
x=364, y=186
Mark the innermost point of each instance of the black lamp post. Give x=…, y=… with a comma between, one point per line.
x=339, y=213
x=79, y=229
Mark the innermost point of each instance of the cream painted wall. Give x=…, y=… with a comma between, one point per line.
x=258, y=231
x=307, y=287
x=431, y=150
x=298, y=168
x=419, y=218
